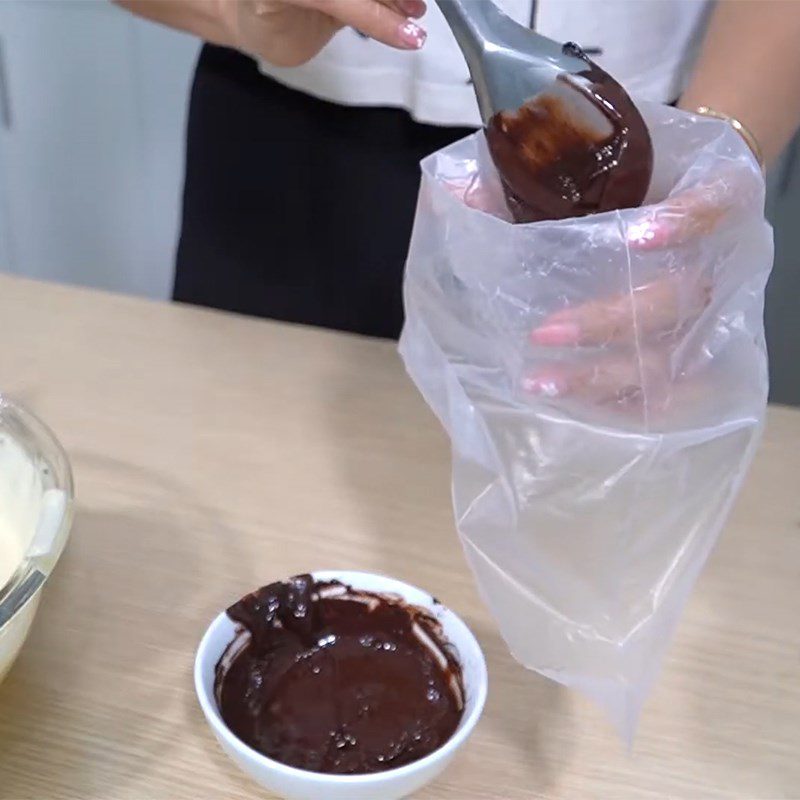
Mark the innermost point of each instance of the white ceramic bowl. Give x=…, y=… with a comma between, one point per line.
x=297, y=784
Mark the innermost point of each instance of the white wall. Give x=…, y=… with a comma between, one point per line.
x=91, y=165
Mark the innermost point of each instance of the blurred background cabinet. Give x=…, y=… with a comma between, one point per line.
x=91, y=143
x=92, y=116
x=783, y=291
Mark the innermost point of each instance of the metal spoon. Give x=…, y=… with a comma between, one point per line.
x=508, y=62
x=564, y=135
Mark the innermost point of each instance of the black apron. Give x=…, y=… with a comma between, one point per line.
x=295, y=208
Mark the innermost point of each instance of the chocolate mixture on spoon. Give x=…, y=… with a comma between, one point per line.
x=555, y=163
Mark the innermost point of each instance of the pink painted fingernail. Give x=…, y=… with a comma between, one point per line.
x=545, y=385
x=648, y=235
x=412, y=35
x=554, y=334
x=413, y=8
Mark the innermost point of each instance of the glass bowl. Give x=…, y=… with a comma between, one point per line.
x=36, y=500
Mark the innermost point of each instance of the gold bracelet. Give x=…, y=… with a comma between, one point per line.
x=741, y=129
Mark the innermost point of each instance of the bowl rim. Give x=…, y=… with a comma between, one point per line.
x=459, y=737
x=32, y=573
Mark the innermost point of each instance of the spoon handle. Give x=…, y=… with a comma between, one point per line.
x=478, y=23
x=508, y=62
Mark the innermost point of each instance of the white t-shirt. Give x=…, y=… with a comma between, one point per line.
x=647, y=45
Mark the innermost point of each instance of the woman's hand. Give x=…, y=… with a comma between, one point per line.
x=288, y=33
x=636, y=331
x=629, y=337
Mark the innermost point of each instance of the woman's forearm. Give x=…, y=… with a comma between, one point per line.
x=211, y=20
x=749, y=68
x=287, y=33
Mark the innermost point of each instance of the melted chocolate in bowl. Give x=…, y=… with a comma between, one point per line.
x=554, y=163
x=338, y=680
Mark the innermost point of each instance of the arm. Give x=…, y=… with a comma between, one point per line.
x=211, y=20
x=286, y=32
x=749, y=68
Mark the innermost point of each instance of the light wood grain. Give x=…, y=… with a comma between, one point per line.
x=214, y=453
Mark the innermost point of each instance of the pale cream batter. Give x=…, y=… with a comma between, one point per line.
x=21, y=493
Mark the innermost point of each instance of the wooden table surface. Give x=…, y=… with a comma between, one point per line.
x=214, y=453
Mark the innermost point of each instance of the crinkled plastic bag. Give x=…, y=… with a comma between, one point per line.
x=587, y=518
